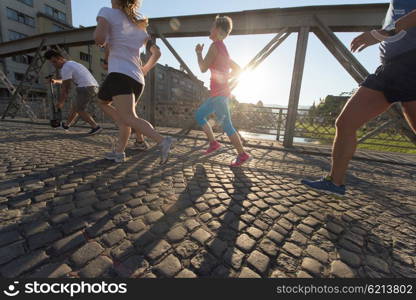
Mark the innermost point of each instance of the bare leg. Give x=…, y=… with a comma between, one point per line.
x=109, y=110
x=410, y=114
x=88, y=118
x=365, y=105
x=236, y=141
x=125, y=107
x=208, y=131
x=243, y=140
x=140, y=136
x=123, y=138
x=124, y=131
x=71, y=118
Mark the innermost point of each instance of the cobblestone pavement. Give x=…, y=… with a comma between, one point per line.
x=65, y=212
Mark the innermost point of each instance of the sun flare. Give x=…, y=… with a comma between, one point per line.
x=250, y=85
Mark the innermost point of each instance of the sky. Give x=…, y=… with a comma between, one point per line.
x=270, y=82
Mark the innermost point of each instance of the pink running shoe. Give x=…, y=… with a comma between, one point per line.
x=213, y=146
x=241, y=159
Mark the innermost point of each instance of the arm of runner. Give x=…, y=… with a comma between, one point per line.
x=101, y=31
x=236, y=70
x=156, y=54
x=106, y=55
x=56, y=81
x=205, y=63
x=406, y=22
x=66, y=85
x=363, y=41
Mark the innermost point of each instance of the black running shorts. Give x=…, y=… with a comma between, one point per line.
x=395, y=78
x=116, y=84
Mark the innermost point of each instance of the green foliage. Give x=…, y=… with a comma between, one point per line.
x=328, y=109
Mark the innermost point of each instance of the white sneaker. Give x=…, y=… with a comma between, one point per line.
x=117, y=157
x=166, y=146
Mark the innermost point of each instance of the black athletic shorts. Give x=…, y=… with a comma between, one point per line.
x=396, y=78
x=116, y=84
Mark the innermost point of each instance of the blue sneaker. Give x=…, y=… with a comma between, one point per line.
x=326, y=185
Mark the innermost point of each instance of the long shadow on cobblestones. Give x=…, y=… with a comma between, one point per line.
x=116, y=178
x=223, y=246
x=150, y=241
x=369, y=249
x=80, y=137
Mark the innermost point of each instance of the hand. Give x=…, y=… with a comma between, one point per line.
x=199, y=48
x=53, y=81
x=155, y=50
x=363, y=41
x=144, y=71
x=60, y=105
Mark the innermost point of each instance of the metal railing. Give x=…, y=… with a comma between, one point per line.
x=265, y=122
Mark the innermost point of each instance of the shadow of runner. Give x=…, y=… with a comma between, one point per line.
x=223, y=245
x=151, y=243
x=367, y=249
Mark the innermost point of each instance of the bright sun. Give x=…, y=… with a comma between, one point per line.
x=250, y=87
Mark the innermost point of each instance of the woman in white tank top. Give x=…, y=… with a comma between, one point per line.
x=122, y=30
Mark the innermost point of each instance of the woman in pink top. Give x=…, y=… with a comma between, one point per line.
x=219, y=63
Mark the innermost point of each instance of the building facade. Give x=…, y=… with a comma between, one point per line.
x=23, y=18
x=171, y=97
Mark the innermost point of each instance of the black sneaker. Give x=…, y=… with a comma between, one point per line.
x=63, y=126
x=95, y=130
x=326, y=185
x=142, y=146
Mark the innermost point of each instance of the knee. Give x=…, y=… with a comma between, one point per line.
x=130, y=120
x=200, y=118
x=345, y=125
x=229, y=128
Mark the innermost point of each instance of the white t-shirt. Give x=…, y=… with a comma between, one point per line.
x=125, y=40
x=78, y=73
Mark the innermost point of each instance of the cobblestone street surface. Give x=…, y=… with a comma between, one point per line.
x=66, y=212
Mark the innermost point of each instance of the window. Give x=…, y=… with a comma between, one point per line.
x=85, y=57
x=55, y=13
x=14, y=35
x=27, y=2
x=62, y=1
x=56, y=28
x=19, y=76
x=20, y=17
x=23, y=59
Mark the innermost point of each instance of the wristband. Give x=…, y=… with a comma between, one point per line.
x=390, y=39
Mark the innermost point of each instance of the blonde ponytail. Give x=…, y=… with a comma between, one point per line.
x=130, y=7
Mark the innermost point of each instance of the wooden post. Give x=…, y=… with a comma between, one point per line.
x=292, y=112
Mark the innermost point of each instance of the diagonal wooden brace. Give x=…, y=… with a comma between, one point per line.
x=356, y=70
